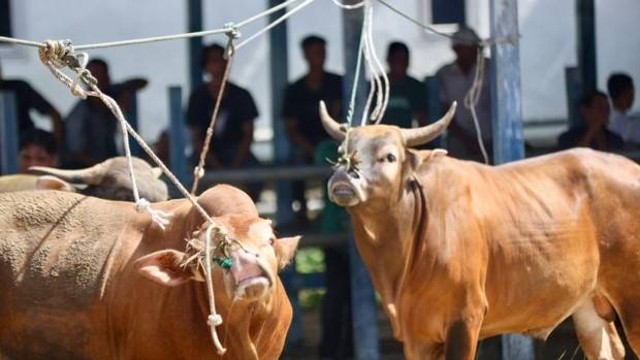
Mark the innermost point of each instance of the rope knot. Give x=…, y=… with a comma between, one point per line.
x=55, y=52
x=214, y=320
x=198, y=172
x=232, y=34
x=159, y=217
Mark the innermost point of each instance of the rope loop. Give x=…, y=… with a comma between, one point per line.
x=232, y=34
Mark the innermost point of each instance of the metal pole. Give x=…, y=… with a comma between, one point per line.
x=574, y=86
x=587, y=61
x=282, y=150
x=507, y=121
x=506, y=93
x=177, y=160
x=194, y=18
x=8, y=133
x=363, y=305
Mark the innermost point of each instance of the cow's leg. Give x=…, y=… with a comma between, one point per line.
x=423, y=351
x=462, y=338
x=597, y=335
x=629, y=314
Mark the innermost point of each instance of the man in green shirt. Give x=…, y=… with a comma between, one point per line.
x=407, y=105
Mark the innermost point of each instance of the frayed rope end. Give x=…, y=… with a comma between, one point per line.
x=161, y=218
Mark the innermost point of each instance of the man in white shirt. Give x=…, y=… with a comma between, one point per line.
x=622, y=92
x=455, y=80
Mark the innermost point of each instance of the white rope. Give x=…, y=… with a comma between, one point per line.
x=349, y=7
x=153, y=38
x=356, y=79
x=214, y=319
x=268, y=12
x=473, y=96
x=382, y=99
x=275, y=23
x=375, y=86
x=20, y=41
x=502, y=40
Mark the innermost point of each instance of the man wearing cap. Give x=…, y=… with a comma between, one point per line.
x=454, y=81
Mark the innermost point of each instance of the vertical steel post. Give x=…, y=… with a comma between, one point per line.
x=194, y=19
x=177, y=159
x=506, y=93
x=506, y=104
x=279, y=63
x=586, y=41
x=363, y=305
x=8, y=133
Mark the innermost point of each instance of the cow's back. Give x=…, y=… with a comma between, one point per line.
x=55, y=253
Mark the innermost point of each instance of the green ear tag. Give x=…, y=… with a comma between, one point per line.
x=224, y=263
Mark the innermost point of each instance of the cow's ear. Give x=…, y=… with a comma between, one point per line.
x=285, y=249
x=164, y=267
x=48, y=182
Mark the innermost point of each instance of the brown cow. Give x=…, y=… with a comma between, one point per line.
x=70, y=283
x=461, y=251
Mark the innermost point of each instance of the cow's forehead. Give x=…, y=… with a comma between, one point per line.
x=249, y=227
x=375, y=136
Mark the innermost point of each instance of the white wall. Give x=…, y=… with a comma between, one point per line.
x=547, y=46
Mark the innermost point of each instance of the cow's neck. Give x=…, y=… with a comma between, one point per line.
x=387, y=233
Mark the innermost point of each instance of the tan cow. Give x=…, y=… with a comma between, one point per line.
x=86, y=278
x=461, y=251
x=109, y=179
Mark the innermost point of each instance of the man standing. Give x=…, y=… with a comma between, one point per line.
x=301, y=109
x=454, y=81
x=28, y=99
x=230, y=146
x=622, y=93
x=407, y=96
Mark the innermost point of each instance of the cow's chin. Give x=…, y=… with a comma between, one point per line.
x=344, y=194
x=254, y=288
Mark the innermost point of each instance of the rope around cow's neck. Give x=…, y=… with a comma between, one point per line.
x=56, y=55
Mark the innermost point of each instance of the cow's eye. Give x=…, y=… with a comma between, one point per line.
x=272, y=241
x=391, y=158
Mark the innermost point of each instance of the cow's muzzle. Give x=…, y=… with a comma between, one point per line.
x=342, y=188
x=249, y=276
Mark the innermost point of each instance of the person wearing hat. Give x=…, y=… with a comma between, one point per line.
x=454, y=81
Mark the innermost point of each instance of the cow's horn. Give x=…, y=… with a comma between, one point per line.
x=331, y=126
x=90, y=176
x=422, y=135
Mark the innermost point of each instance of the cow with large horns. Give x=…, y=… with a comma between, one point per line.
x=461, y=251
x=87, y=278
x=109, y=180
